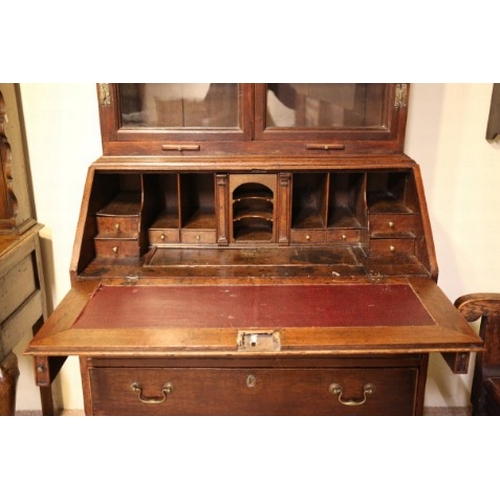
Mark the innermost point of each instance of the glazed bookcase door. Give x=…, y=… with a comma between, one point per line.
x=303, y=119
x=158, y=118
x=364, y=117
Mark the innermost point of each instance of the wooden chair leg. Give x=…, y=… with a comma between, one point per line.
x=9, y=375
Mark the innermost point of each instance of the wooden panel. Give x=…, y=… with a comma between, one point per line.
x=21, y=323
x=253, y=391
x=16, y=286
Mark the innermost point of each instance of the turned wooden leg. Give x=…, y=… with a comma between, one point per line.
x=9, y=375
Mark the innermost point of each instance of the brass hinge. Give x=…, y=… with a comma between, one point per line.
x=104, y=94
x=401, y=98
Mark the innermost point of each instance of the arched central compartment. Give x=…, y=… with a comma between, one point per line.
x=253, y=208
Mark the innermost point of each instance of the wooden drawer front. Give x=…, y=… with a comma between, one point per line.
x=392, y=247
x=118, y=227
x=347, y=236
x=393, y=226
x=191, y=237
x=253, y=391
x=163, y=236
x=116, y=248
x=16, y=286
x=307, y=236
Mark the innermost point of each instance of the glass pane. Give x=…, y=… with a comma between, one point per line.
x=179, y=105
x=326, y=105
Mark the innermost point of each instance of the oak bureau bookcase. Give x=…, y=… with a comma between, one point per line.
x=252, y=249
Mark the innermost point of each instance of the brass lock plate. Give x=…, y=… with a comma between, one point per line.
x=258, y=341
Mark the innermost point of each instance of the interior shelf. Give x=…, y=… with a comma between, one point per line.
x=166, y=221
x=391, y=193
x=343, y=217
x=200, y=220
x=252, y=211
x=125, y=204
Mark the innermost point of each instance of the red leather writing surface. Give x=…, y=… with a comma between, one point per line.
x=253, y=306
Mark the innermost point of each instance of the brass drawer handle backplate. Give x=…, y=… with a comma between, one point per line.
x=337, y=389
x=153, y=400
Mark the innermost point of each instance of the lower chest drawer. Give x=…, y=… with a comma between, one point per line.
x=253, y=391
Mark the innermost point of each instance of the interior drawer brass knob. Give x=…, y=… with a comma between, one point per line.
x=337, y=390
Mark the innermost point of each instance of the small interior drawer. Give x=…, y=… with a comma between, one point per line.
x=163, y=236
x=344, y=235
x=393, y=226
x=116, y=248
x=391, y=247
x=307, y=236
x=118, y=227
x=194, y=237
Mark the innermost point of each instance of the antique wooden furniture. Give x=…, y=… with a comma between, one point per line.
x=22, y=293
x=493, y=126
x=253, y=249
x=485, y=396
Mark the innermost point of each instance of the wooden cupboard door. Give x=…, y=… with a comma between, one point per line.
x=254, y=391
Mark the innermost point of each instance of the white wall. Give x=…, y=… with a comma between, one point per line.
x=63, y=135
x=461, y=173
x=446, y=130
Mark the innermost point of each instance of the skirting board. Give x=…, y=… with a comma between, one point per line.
x=429, y=411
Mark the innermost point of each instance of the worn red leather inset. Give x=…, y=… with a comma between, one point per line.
x=255, y=306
